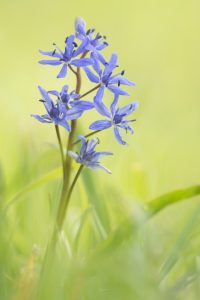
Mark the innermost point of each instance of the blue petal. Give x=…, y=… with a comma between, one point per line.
x=74, y=95
x=117, y=90
x=113, y=60
x=69, y=45
x=50, y=62
x=62, y=109
x=100, y=107
x=54, y=92
x=81, y=48
x=64, y=124
x=64, y=89
x=125, y=126
x=100, y=125
x=63, y=71
x=101, y=58
x=91, y=76
x=51, y=53
x=84, y=144
x=74, y=113
x=121, y=79
x=102, y=46
x=111, y=64
x=97, y=155
x=96, y=64
x=82, y=62
x=41, y=118
x=113, y=106
x=80, y=25
x=73, y=155
x=46, y=98
x=82, y=105
x=91, y=144
x=96, y=165
x=128, y=109
x=118, y=136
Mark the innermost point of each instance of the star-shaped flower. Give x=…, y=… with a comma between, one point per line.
x=57, y=113
x=116, y=117
x=93, y=42
x=70, y=100
x=88, y=156
x=105, y=78
x=67, y=57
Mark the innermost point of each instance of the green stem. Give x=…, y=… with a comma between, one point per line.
x=70, y=67
x=68, y=160
x=90, y=91
x=71, y=138
x=61, y=149
x=66, y=191
x=65, y=202
x=88, y=135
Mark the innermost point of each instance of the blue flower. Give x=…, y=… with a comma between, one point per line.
x=67, y=57
x=88, y=156
x=70, y=100
x=116, y=117
x=93, y=42
x=57, y=113
x=105, y=77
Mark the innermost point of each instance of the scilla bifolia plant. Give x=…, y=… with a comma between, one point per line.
x=83, y=50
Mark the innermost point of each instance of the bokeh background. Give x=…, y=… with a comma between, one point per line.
x=158, y=46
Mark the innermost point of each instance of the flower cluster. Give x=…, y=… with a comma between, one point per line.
x=83, y=50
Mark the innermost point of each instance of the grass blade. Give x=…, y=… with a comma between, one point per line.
x=159, y=203
x=53, y=174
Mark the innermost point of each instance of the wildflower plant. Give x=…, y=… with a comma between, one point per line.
x=83, y=53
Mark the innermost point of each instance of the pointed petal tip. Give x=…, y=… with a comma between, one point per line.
x=80, y=21
x=40, y=88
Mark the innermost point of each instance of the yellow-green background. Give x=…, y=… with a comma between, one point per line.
x=159, y=47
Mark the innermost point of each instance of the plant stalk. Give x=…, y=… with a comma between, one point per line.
x=90, y=91
x=61, y=149
x=65, y=202
x=68, y=163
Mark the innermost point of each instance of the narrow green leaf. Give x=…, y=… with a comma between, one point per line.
x=96, y=200
x=181, y=243
x=53, y=174
x=83, y=219
x=159, y=203
x=116, y=238
x=128, y=227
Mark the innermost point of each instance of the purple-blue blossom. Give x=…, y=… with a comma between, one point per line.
x=116, y=117
x=70, y=100
x=105, y=78
x=67, y=58
x=93, y=42
x=88, y=156
x=57, y=112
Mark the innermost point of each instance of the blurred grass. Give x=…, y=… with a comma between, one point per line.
x=158, y=45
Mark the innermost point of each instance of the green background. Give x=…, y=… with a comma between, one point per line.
x=158, y=46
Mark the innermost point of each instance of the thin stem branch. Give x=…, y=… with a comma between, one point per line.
x=65, y=202
x=85, y=53
x=88, y=135
x=70, y=67
x=90, y=91
x=61, y=149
